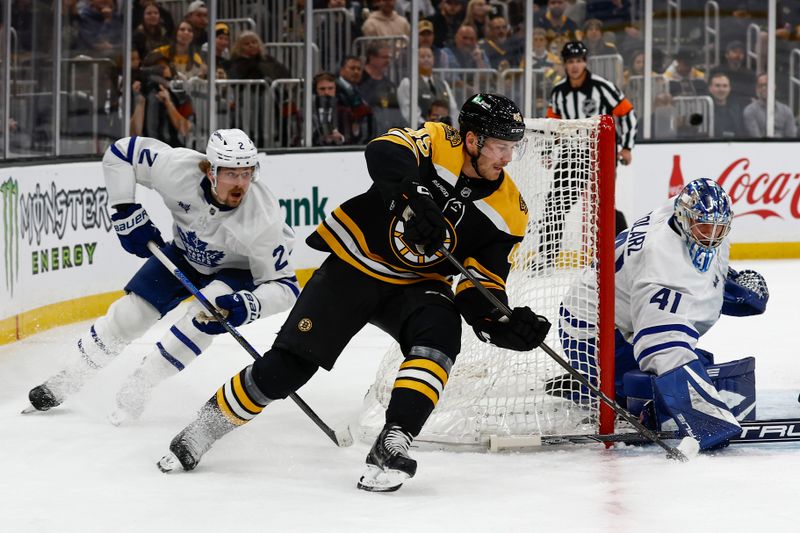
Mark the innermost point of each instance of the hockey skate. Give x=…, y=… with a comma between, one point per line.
x=388, y=463
x=196, y=439
x=42, y=399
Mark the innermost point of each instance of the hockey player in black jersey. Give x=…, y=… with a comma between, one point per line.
x=432, y=188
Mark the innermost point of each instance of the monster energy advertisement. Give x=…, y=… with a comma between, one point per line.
x=58, y=241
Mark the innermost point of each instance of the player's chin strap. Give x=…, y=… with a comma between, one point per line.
x=474, y=158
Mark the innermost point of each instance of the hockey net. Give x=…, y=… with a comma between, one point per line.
x=497, y=392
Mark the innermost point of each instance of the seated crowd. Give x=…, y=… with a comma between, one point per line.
x=366, y=96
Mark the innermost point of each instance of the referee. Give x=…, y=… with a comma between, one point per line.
x=581, y=95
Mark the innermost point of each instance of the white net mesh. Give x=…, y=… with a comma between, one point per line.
x=492, y=391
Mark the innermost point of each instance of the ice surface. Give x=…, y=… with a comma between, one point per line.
x=69, y=470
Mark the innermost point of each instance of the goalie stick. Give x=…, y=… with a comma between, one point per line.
x=647, y=435
x=340, y=438
x=781, y=430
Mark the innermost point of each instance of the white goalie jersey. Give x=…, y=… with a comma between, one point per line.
x=663, y=304
x=252, y=236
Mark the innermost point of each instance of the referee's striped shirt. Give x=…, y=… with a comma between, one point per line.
x=596, y=96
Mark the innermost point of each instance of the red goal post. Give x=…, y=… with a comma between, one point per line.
x=495, y=392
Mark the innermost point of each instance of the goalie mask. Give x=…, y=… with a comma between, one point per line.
x=703, y=214
x=231, y=149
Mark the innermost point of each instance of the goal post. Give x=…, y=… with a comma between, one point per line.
x=566, y=177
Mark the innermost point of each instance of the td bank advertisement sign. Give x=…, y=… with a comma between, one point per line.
x=762, y=179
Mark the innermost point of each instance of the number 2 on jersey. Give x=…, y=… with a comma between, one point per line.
x=662, y=298
x=280, y=263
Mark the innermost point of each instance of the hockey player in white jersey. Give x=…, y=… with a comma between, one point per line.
x=672, y=282
x=229, y=239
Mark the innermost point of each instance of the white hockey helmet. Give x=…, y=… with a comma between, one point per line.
x=231, y=149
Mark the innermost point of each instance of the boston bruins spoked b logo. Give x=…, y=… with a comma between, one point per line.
x=408, y=253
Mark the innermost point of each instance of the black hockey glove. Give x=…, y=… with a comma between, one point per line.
x=523, y=331
x=135, y=229
x=425, y=226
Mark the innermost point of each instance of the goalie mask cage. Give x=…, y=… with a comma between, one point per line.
x=496, y=392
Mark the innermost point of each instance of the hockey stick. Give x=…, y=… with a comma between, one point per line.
x=753, y=432
x=672, y=452
x=340, y=438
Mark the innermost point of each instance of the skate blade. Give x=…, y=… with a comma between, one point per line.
x=168, y=463
x=376, y=479
x=30, y=409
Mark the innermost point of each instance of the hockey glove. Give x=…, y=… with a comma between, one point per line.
x=240, y=308
x=425, y=226
x=746, y=293
x=523, y=331
x=135, y=229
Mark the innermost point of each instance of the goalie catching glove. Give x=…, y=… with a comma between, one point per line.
x=523, y=331
x=240, y=308
x=424, y=226
x=135, y=229
x=746, y=293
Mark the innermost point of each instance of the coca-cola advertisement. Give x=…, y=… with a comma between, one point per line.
x=762, y=179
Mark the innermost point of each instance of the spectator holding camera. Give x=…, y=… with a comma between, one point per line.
x=181, y=54
x=167, y=106
x=327, y=118
x=432, y=87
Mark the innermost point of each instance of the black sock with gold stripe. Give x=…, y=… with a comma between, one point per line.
x=240, y=400
x=417, y=387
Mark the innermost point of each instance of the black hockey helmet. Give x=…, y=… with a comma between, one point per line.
x=491, y=115
x=574, y=49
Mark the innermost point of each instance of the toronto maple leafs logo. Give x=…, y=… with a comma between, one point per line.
x=184, y=206
x=196, y=250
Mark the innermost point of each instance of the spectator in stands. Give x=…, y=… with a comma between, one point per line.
x=555, y=21
x=728, y=122
x=379, y=91
x=743, y=80
x=426, y=39
x=439, y=111
x=755, y=114
x=100, y=29
x=684, y=79
x=357, y=112
x=432, y=87
x=167, y=107
x=466, y=53
x=594, y=40
x=327, y=119
x=734, y=28
x=477, y=16
x=181, y=54
x=197, y=16
x=385, y=21
x=502, y=51
x=223, y=44
x=615, y=14
x=137, y=16
x=447, y=21
x=542, y=56
x=150, y=34
x=249, y=60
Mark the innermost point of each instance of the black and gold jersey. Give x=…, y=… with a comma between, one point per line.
x=486, y=219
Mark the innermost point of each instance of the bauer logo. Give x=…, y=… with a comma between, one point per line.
x=10, y=191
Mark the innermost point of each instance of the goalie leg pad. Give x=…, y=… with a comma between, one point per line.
x=696, y=406
x=735, y=381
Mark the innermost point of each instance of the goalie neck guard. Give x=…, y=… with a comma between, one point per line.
x=703, y=215
x=231, y=149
